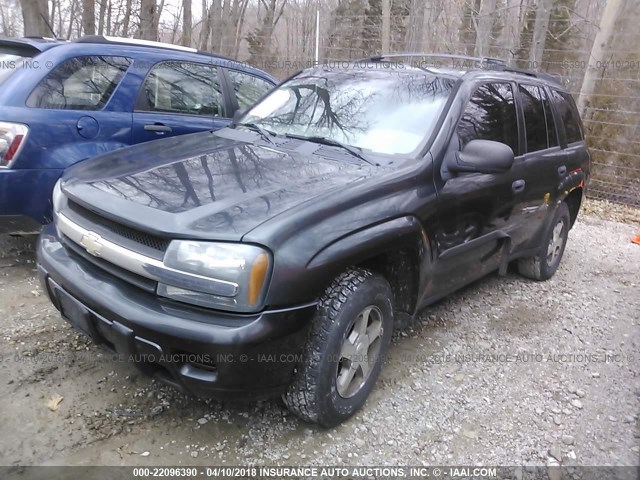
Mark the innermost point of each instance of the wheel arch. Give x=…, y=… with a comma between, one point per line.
x=395, y=249
x=574, y=201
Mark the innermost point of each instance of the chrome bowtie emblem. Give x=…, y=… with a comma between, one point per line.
x=91, y=243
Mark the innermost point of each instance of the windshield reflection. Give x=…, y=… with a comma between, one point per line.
x=388, y=112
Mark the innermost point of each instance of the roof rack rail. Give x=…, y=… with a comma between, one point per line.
x=485, y=62
x=105, y=39
x=131, y=41
x=530, y=73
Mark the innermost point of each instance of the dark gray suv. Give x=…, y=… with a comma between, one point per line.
x=276, y=257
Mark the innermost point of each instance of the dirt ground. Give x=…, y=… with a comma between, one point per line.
x=507, y=371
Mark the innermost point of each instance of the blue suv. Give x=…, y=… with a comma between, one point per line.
x=63, y=102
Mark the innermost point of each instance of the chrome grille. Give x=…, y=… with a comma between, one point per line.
x=136, y=240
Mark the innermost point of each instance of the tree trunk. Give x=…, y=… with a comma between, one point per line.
x=600, y=44
x=186, y=23
x=416, y=30
x=484, y=27
x=386, y=26
x=239, y=25
x=101, y=15
x=72, y=17
x=125, y=22
x=88, y=17
x=34, y=15
x=540, y=28
x=147, y=20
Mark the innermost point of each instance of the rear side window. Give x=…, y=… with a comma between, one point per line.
x=248, y=89
x=183, y=88
x=534, y=118
x=81, y=83
x=566, y=108
x=490, y=115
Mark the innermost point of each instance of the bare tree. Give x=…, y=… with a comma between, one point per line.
x=125, y=22
x=484, y=26
x=186, y=23
x=600, y=44
x=148, y=29
x=541, y=25
x=35, y=14
x=386, y=26
x=88, y=17
x=260, y=40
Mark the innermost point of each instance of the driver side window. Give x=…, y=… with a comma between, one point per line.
x=490, y=115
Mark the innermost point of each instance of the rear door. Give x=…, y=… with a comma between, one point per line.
x=576, y=155
x=542, y=164
x=72, y=112
x=179, y=97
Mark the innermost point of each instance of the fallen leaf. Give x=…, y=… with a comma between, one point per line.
x=54, y=402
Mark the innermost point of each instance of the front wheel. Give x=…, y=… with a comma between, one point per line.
x=544, y=264
x=350, y=335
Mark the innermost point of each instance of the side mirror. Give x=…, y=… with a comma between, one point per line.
x=238, y=115
x=482, y=156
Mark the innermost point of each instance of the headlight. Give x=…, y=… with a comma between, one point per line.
x=57, y=197
x=240, y=273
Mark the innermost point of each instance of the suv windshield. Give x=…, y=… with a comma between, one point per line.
x=387, y=112
x=11, y=60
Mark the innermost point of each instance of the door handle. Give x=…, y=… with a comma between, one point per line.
x=158, y=128
x=562, y=170
x=518, y=186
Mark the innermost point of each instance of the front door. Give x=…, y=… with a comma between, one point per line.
x=476, y=210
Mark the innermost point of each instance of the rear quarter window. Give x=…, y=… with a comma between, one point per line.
x=569, y=116
x=13, y=59
x=81, y=83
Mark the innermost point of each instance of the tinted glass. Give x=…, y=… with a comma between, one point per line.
x=534, y=119
x=390, y=112
x=569, y=116
x=490, y=115
x=184, y=88
x=249, y=89
x=82, y=83
x=552, y=132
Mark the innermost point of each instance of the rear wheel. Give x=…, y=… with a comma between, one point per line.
x=350, y=335
x=544, y=264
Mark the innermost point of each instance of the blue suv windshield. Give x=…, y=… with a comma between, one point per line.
x=386, y=112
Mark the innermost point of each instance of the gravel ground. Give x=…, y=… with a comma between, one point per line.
x=507, y=371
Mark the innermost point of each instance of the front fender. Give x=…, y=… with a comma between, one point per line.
x=369, y=242
x=308, y=283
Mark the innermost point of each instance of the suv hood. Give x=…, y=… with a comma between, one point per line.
x=208, y=185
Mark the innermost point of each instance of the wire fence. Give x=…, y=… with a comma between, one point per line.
x=611, y=118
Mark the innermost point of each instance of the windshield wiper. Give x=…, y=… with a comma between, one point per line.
x=355, y=151
x=264, y=133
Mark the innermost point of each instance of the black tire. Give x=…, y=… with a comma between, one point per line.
x=543, y=265
x=314, y=394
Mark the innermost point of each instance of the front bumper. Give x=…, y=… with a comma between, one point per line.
x=203, y=352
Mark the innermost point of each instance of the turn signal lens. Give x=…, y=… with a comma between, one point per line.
x=257, y=277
